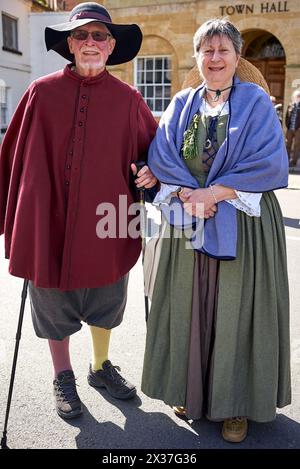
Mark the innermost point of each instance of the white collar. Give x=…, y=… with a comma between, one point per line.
x=208, y=110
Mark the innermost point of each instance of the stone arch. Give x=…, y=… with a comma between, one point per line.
x=264, y=50
x=159, y=45
x=291, y=48
x=259, y=40
x=271, y=27
x=274, y=71
x=152, y=44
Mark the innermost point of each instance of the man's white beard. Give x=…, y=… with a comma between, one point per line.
x=92, y=66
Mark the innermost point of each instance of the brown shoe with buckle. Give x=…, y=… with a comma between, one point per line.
x=180, y=411
x=235, y=430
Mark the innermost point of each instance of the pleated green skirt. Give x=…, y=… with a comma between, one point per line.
x=250, y=369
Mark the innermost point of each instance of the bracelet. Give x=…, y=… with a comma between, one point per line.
x=213, y=194
x=180, y=191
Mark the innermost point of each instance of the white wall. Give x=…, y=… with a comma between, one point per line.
x=43, y=62
x=14, y=68
x=18, y=71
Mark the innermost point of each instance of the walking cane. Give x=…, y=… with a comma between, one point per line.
x=13, y=370
x=143, y=223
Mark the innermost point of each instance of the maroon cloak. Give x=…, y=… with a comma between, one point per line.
x=68, y=148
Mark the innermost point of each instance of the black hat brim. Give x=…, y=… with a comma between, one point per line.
x=128, y=39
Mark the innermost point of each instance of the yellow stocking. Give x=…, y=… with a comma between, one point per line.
x=100, y=338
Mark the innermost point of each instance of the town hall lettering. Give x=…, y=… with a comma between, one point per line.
x=264, y=7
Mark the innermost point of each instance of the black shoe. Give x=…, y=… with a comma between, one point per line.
x=68, y=404
x=109, y=378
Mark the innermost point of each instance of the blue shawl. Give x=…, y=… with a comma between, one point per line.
x=252, y=157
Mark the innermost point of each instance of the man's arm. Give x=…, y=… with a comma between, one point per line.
x=146, y=129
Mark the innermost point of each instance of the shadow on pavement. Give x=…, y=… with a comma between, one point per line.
x=282, y=433
x=156, y=430
x=141, y=430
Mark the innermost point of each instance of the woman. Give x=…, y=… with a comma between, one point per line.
x=218, y=332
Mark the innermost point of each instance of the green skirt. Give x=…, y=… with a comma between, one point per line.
x=250, y=373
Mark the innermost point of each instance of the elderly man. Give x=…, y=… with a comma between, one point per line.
x=72, y=145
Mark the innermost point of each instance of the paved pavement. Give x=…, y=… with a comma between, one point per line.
x=142, y=422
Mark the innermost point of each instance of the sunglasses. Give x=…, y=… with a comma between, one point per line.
x=82, y=35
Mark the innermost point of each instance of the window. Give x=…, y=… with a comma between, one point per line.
x=53, y=4
x=3, y=107
x=265, y=46
x=153, y=80
x=10, y=33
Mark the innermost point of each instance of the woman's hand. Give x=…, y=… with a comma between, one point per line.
x=145, y=177
x=199, y=203
x=181, y=194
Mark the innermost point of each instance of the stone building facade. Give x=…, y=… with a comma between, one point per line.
x=15, y=53
x=271, y=32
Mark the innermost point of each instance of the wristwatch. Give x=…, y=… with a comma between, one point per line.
x=179, y=191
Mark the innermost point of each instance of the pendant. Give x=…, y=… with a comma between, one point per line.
x=218, y=94
x=207, y=145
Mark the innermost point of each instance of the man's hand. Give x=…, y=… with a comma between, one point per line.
x=145, y=178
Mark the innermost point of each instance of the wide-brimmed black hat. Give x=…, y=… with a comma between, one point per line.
x=128, y=36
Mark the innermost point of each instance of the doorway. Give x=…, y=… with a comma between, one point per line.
x=265, y=51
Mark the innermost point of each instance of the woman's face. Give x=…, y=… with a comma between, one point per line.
x=217, y=61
